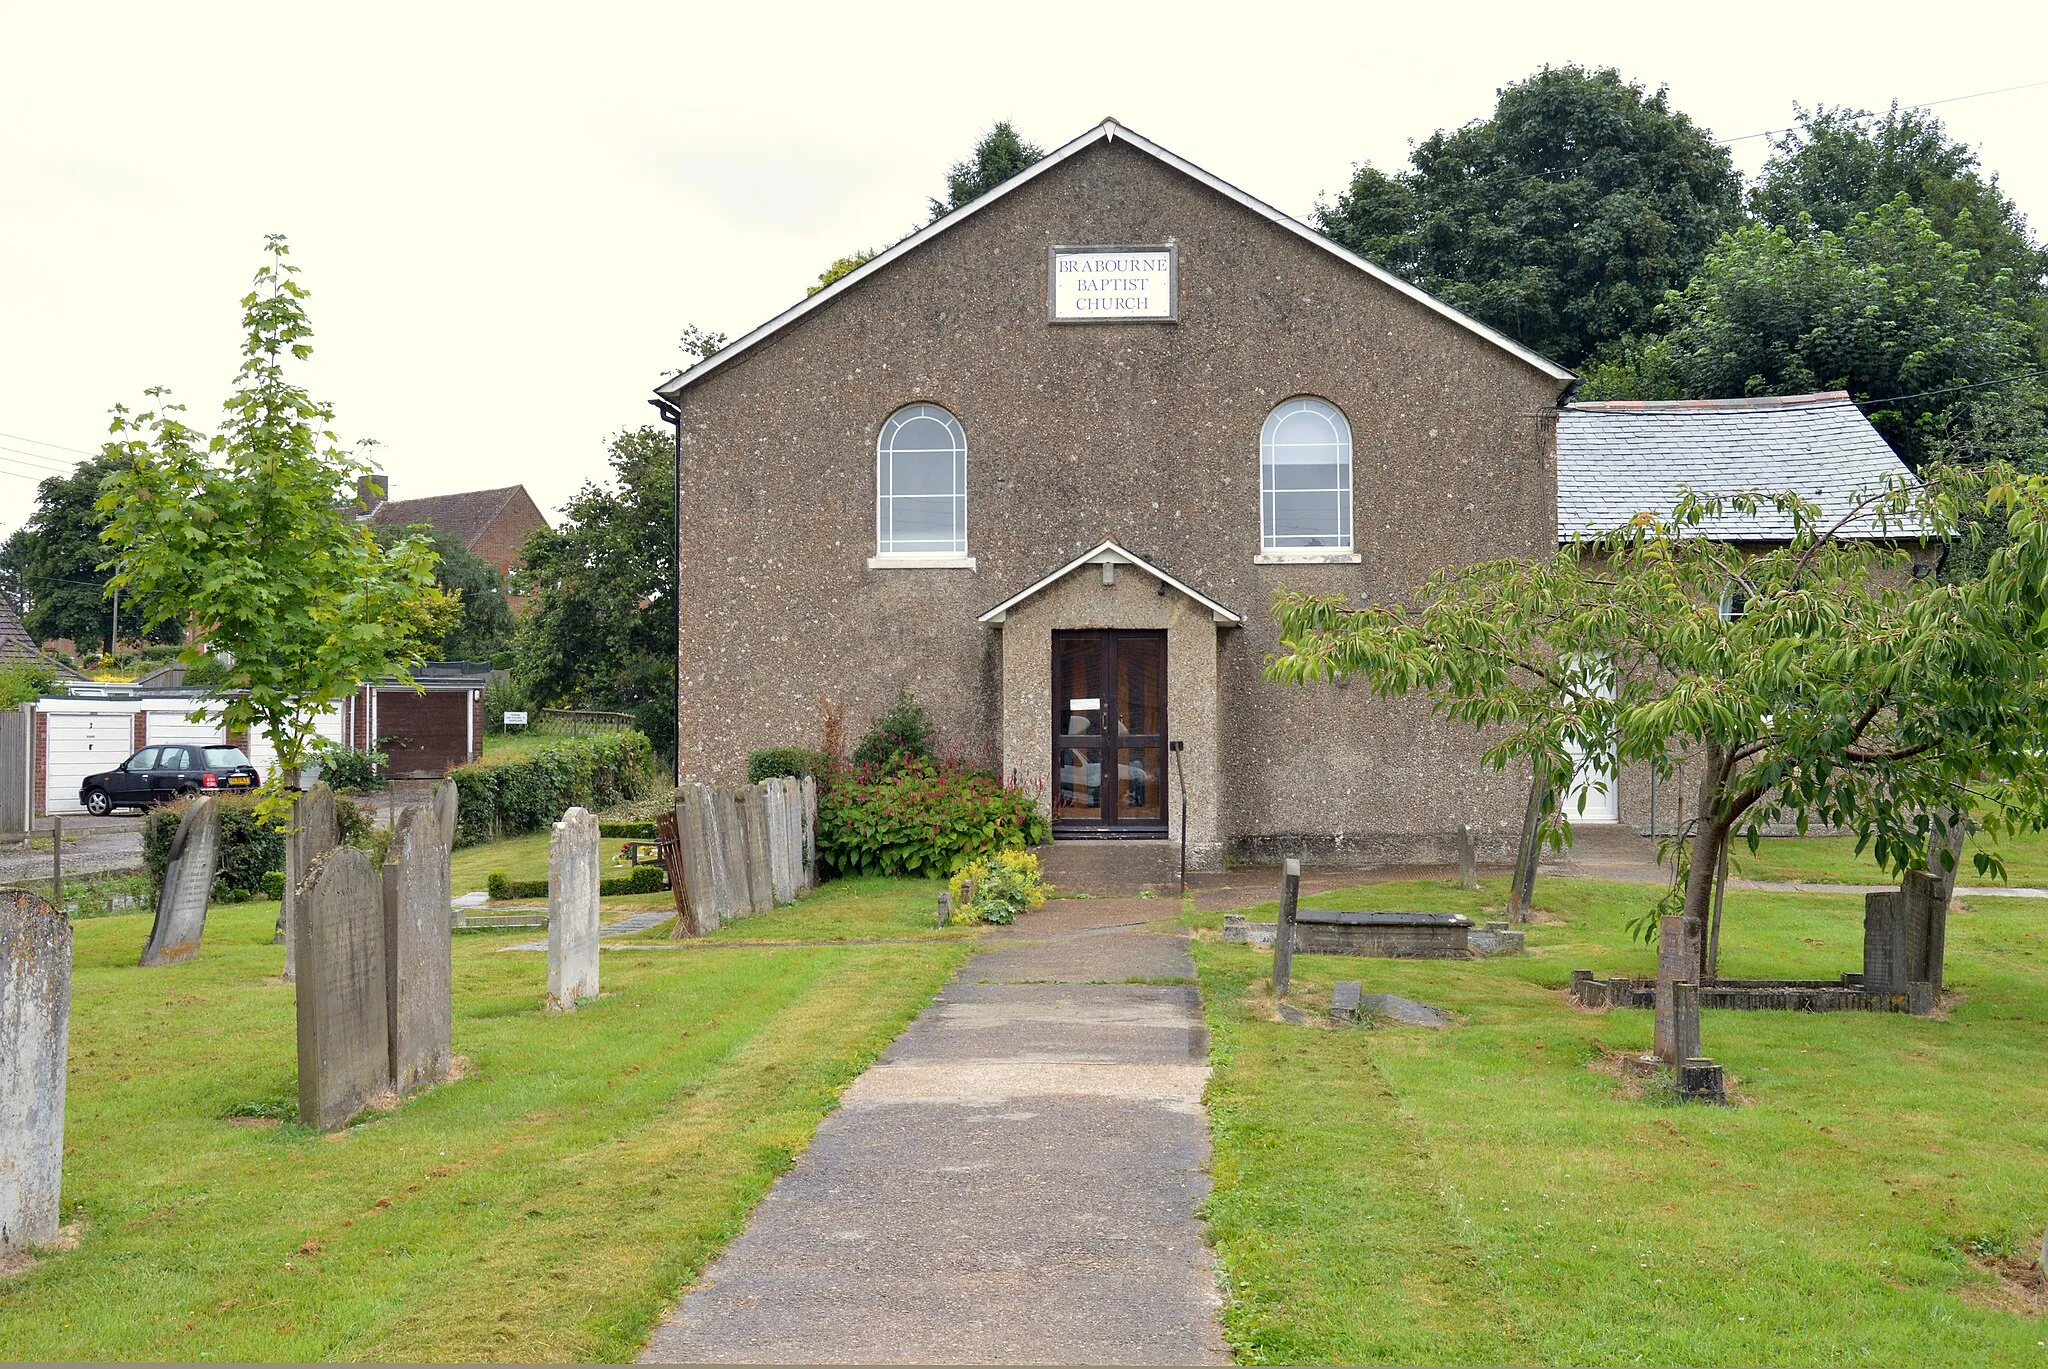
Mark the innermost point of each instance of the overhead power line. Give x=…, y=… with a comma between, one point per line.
x=1954, y=389
x=1924, y=104
x=38, y=442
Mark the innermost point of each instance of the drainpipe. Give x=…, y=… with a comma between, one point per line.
x=1181, y=773
x=672, y=414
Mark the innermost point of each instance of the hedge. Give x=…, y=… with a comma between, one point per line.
x=646, y=879
x=251, y=847
x=630, y=831
x=921, y=818
x=791, y=762
x=531, y=794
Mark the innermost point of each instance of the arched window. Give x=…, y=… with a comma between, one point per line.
x=1305, y=478
x=921, y=484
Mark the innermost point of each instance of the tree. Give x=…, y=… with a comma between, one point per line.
x=600, y=631
x=999, y=155
x=1886, y=308
x=245, y=537
x=1844, y=693
x=51, y=565
x=481, y=627
x=845, y=266
x=1836, y=164
x=701, y=342
x=1562, y=220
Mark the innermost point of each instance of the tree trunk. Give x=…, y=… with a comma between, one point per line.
x=1522, y=884
x=1710, y=839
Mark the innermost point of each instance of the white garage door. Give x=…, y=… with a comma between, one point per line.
x=173, y=729
x=263, y=755
x=81, y=744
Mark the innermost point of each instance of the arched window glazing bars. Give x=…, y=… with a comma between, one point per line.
x=921, y=484
x=1305, y=478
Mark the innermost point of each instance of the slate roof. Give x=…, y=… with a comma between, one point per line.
x=1623, y=457
x=17, y=645
x=461, y=516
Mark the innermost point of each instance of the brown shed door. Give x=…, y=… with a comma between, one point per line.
x=1109, y=733
x=425, y=735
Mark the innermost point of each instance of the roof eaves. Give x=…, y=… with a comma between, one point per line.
x=1108, y=547
x=1106, y=131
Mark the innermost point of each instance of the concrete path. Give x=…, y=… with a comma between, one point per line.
x=1015, y=1181
x=625, y=926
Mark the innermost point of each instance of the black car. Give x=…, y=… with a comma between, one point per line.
x=158, y=774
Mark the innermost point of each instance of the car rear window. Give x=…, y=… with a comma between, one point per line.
x=224, y=757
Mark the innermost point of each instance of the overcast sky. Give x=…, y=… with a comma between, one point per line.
x=507, y=214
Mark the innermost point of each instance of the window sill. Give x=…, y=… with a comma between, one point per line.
x=1307, y=557
x=940, y=561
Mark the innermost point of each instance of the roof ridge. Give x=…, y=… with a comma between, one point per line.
x=1109, y=130
x=1816, y=398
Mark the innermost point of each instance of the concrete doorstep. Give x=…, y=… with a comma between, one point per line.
x=1015, y=1181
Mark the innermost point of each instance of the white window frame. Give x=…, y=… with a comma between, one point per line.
x=886, y=556
x=1271, y=551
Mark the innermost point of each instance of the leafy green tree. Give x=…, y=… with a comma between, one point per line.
x=845, y=266
x=51, y=565
x=245, y=536
x=701, y=342
x=1838, y=163
x=1845, y=693
x=481, y=627
x=1885, y=308
x=902, y=734
x=999, y=155
x=600, y=630
x=1562, y=220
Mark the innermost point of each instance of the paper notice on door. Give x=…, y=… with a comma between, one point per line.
x=1083, y=705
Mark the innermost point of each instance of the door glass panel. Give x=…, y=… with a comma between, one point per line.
x=1077, y=687
x=1078, y=795
x=173, y=758
x=1141, y=784
x=144, y=759
x=1140, y=686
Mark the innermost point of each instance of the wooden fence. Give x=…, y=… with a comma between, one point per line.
x=731, y=854
x=581, y=722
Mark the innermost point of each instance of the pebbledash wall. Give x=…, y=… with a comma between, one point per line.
x=1144, y=435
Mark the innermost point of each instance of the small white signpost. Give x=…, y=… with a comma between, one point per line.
x=515, y=717
x=1114, y=284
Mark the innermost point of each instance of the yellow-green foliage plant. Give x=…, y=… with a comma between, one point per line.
x=1005, y=884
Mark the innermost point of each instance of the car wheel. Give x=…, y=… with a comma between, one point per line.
x=98, y=802
x=188, y=791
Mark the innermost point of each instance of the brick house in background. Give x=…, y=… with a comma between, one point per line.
x=492, y=524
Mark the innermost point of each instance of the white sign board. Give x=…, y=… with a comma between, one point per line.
x=515, y=717
x=1114, y=284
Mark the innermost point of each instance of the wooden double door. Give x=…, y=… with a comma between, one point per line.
x=1109, y=734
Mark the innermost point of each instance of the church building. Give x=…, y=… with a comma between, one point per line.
x=1046, y=463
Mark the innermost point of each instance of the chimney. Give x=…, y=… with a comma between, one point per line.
x=371, y=490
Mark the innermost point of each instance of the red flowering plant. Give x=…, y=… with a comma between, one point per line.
x=921, y=816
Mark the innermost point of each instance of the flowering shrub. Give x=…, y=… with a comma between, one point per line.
x=921, y=817
x=1005, y=884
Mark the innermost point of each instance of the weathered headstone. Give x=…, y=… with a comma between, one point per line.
x=735, y=889
x=312, y=834
x=1344, y=1000
x=447, y=805
x=1700, y=1081
x=35, y=1023
x=945, y=908
x=1283, y=936
x=1234, y=929
x=1678, y=959
x=344, y=1024
x=418, y=956
x=188, y=887
x=572, y=910
x=1468, y=859
x=774, y=801
x=668, y=833
x=793, y=836
x=754, y=829
x=697, y=852
x=810, y=801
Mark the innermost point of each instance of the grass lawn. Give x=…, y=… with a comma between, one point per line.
x=545, y=1207
x=1833, y=860
x=842, y=910
x=1490, y=1193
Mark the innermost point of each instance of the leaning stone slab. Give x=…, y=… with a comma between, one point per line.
x=344, y=1024
x=572, y=910
x=728, y=820
x=754, y=829
x=188, y=887
x=418, y=954
x=35, y=1022
x=1344, y=999
x=775, y=824
x=446, y=803
x=699, y=852
x=1400, y=1009
x=808, y=791
x=312, y=834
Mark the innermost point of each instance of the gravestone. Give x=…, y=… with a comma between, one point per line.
x=35, y=1024
x=418, y=955
x=1344, y=1000
x=1395, y=1008
x=1283, y=936
x=754, y=828
x=344, y=1023
x=1468, y=859
x=312, y=834
x=188, y=887
x=697, y=850
x=1678, y=959
x=735, y=889
x=945, y=908
x=669, y=833
x=572, y=910
x=447, y=805
x=1234, y=929
x=775, y=824
x=1700, y=1081
x=810, y=801
x=793, y=836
